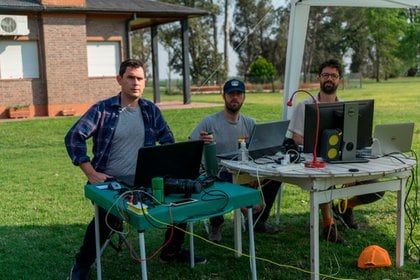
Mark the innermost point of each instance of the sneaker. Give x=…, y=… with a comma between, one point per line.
x=331, y=234
x=265, y=228
x=346, y=218
x=215, y=233
x=182, y=256
x=79, y=272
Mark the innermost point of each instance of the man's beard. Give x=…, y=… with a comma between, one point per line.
x=233, y=109
x=328, y=87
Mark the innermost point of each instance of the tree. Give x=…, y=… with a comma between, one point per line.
x=141, y=47
x=278, y=45
x=355, y=33
x=226, y=27
x=324, y=39
x=252, y=26
x=370, y=37
x=386, y=27
x=261, y=71
x=205, y=59
x=409, y=48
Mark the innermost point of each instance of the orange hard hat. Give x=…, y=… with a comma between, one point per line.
x=373, y=256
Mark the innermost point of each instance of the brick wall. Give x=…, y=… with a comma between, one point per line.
x=64, y=83
x=65, y=58
x=24, y=91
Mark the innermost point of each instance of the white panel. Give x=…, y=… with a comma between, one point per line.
x=103, y=59
x=30, y=60
x=18, y=60
x=299, y=15
x=363, y=3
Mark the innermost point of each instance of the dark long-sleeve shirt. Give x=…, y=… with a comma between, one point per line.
x=100, y=121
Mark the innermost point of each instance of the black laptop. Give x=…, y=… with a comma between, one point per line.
x=180, y=160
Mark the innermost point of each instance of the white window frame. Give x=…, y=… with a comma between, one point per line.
x=19, y=60
x=103, y=59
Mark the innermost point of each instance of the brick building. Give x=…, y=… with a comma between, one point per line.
x=60, y=56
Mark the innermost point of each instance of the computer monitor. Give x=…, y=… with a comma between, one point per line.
x=353, y=119
x=180, y=160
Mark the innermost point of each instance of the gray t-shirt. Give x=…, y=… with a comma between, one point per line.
x=127, y=140
x=225, y=133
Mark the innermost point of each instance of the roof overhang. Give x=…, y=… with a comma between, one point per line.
x=145, y=13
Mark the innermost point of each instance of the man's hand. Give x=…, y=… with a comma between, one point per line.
x=92, y=175
x=298, y=139
x=207, y=137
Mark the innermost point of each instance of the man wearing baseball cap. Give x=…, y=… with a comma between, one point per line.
x=226, y=128
x=234, y=85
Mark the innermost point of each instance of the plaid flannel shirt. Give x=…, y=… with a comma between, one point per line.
x=100, y=121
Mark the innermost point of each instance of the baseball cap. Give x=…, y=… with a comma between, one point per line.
x=233, y=85
x=373, y=256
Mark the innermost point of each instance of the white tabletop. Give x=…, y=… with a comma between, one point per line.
x=323, y=178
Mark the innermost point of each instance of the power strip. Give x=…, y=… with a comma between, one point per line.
x=139, y=208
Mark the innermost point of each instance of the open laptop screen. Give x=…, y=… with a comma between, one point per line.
x=179, y=161
x=267, y=138
x=392, y=137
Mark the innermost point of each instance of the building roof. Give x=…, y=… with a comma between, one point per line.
x=147, y=13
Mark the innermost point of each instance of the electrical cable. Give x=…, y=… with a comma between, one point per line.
x=412, y=213
x=120, y=200
x=262, y=198
x=153, y=255
x=248, y=256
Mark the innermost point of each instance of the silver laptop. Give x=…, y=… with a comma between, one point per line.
x=266, y=139
x=392, y=138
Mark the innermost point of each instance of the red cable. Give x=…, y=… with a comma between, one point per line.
x=314, y=163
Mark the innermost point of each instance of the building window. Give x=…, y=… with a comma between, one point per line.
x=18, y=59
x=103, y=58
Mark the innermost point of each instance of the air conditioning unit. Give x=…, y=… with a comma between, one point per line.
x=13, y=25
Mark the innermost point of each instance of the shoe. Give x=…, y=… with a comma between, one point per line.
x=182, y=256
x=79, y=272
x=215, y=233
x=265, y=228
x=331, y=234
x=346, y=218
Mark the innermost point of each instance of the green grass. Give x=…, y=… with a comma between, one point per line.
x=44, y=212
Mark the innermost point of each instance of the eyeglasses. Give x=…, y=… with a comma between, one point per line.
x=333, y=76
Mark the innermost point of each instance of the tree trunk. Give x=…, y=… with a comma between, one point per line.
x=226, y=42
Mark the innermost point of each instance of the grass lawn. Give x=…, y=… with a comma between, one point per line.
x=44, y=212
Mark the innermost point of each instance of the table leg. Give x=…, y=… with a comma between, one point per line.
x=252, y=244
x=191, y=230
x=279, y=197
x=97, y=244
x=399, y=259
x=314, y=230
x=143, y=263
x=237, y=226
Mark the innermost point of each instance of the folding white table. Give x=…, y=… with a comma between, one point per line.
x=393, y=173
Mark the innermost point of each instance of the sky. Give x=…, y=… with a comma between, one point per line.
x=163, y=55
